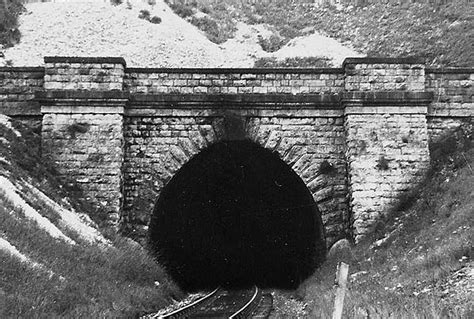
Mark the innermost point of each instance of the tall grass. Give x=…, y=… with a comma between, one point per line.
x=87, y=281
x=117, y=281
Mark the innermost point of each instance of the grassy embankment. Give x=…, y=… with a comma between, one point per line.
x=411, y=270
x=60, y=279
x=443, y=34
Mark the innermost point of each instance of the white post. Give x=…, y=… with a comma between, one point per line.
x=341, y=283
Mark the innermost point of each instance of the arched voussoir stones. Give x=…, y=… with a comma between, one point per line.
x=160, y=147
x=307, y=146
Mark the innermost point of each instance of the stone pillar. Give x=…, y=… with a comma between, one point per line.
x=385, y=110
x=82, y=132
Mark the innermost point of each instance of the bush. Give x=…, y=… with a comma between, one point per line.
x=298, y=62
x=182, y=10
x=9, y=33
x=205, y=9
x=116, y=2
x=271, y=44
x=155, y=20
x=144, y=14
x=211, y=28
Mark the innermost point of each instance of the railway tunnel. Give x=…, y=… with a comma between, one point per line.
x=234, y=215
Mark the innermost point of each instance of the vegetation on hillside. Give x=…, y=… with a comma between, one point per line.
x=57, y=278
x=9, y=12
x=418, y=266
x=441, y=33
x=218, y=26
x=297, y=62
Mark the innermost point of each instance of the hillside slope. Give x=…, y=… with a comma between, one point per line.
x=54, y=261
x=443, y=34
x=101, y=29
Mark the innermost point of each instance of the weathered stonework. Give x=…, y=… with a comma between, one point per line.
x=233, y=81
x=387, y=153
x=156, y=147
x=158, y=144
x=384, y=74
x=306, y=144
x=17, y=93
x=387, y=136
x=91, y=74
x=453, y=101
x=357, y=135
x=83, y=135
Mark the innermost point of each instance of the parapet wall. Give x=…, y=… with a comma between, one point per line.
x=357, y=135
x=17, y=91
x=234, y=81
x=84, y=74
x=453, y=101
x=384, y=74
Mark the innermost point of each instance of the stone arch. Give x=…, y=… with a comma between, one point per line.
x=313, y=148
x=237, y=211
x=155, y=149
x=165, y=144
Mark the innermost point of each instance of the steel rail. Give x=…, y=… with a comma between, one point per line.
x=183, y=310
x=241, y=310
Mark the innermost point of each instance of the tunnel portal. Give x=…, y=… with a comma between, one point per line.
x=236, y=214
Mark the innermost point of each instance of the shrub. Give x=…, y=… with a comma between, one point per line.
x=144, y=14
x=116, y=2
x=152, y=2
x=271, y=44
x=9, y=33
x=297, y=62
x=211, y=28
x=182, y=10
x=205, y=9
x=155, y=20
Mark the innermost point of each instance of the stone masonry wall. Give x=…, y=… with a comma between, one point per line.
x=157, y=146
x=90, y=74
x=453, y=101
x=313, y=147
x=357, y=136
x=380, y=74
x=386, y=134
x=387, y=155
x=233, y=81
x=83, y=106
x=17, y=93
x=88, y=149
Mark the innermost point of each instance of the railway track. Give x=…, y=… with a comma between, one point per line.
x=225, y=303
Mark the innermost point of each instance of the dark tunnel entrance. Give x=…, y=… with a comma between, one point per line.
x=236, y=215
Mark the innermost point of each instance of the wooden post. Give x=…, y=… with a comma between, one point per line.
x=341, y=283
